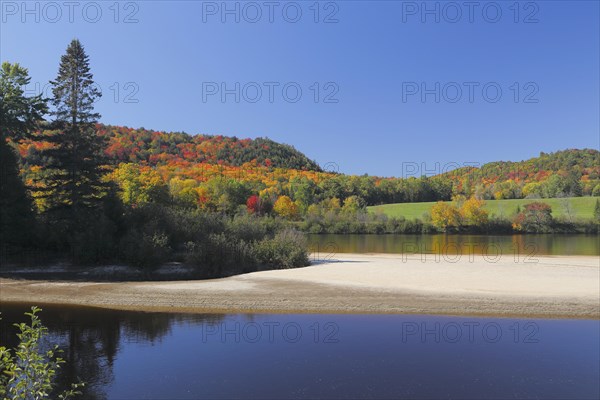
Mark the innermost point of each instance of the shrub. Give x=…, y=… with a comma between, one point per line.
x=247, y=228
x=29, y=370
x=288, y=249
x=95, y=242
x=220, y=255
x=147, y=250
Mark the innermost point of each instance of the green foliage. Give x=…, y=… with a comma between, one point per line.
x=74, y=154
x=220, y=255
x=28, y=372
x=146, y=250
x=17, y=220
x=239, y=250
x=286, y=250
x=19, y=116
x=227, y=194
x=140, y=185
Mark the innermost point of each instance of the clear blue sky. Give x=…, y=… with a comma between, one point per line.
x=375, y=56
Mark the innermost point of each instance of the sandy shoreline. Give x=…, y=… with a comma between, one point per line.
x=553, y=286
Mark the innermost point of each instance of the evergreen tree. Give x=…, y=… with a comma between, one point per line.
x=74, y=183
x=19, y=116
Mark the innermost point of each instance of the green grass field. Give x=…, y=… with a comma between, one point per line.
x=581, y=207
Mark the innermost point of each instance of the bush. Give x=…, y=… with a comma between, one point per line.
x=29, y=371
x=288, y=249
x=147, y=250
x=247, y=228
x=220, y=255
x=95, y=242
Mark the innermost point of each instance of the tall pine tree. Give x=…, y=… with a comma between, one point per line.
x=73, y=184
x=19, y=117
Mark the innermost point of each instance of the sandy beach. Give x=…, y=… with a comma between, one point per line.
x=548, y=286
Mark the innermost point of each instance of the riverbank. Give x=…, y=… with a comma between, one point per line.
x=546, y=286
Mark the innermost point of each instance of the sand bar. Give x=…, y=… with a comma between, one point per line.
x=546, y=286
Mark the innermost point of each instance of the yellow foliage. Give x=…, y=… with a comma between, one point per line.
x=473, y=211
x=444, y=215
x=285, y=207
x=139, y=184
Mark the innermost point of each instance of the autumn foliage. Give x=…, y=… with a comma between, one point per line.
x=285, y=207
x=445, y=216
x=459, y=213
x=535, y=217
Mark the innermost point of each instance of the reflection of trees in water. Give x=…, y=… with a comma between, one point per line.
x=90, y=338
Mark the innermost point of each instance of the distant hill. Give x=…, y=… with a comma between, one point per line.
x=281, y=169
x=159, y=148
x=571, y=170
x=582, y=162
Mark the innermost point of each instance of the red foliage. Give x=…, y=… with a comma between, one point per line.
x=253, y=204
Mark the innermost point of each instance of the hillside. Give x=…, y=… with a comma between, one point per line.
x=159, y=148
x=275, y=169
x=567, y=172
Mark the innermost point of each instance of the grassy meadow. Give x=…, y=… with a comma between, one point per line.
x=579, y=207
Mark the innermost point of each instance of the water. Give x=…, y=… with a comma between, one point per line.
x=126, y=355
x=493, y=245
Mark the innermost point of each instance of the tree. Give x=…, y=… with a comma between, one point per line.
x=19, y=116
x=184, y=191
x=535, y=217
x=140, y=185
x=285, y=207
x=353, y=204
x=597, y=211
x=253, y=204
x=74, y=182
x=533, y=190
x=554, y=186
x=444, y=216
x=568, y=209
x=473, y=212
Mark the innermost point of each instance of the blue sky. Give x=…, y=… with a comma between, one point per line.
x=361, y=69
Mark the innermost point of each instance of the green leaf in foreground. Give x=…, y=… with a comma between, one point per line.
x=28, y=371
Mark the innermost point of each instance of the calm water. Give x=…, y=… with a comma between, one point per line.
x=126, y=355
x=493, y=245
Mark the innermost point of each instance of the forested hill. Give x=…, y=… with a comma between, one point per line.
x=571, y=167
x=159, y=148
x=565, y=161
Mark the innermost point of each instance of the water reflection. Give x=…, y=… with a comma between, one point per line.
x=91, y=338
x=521, y=246
x=123, y=355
